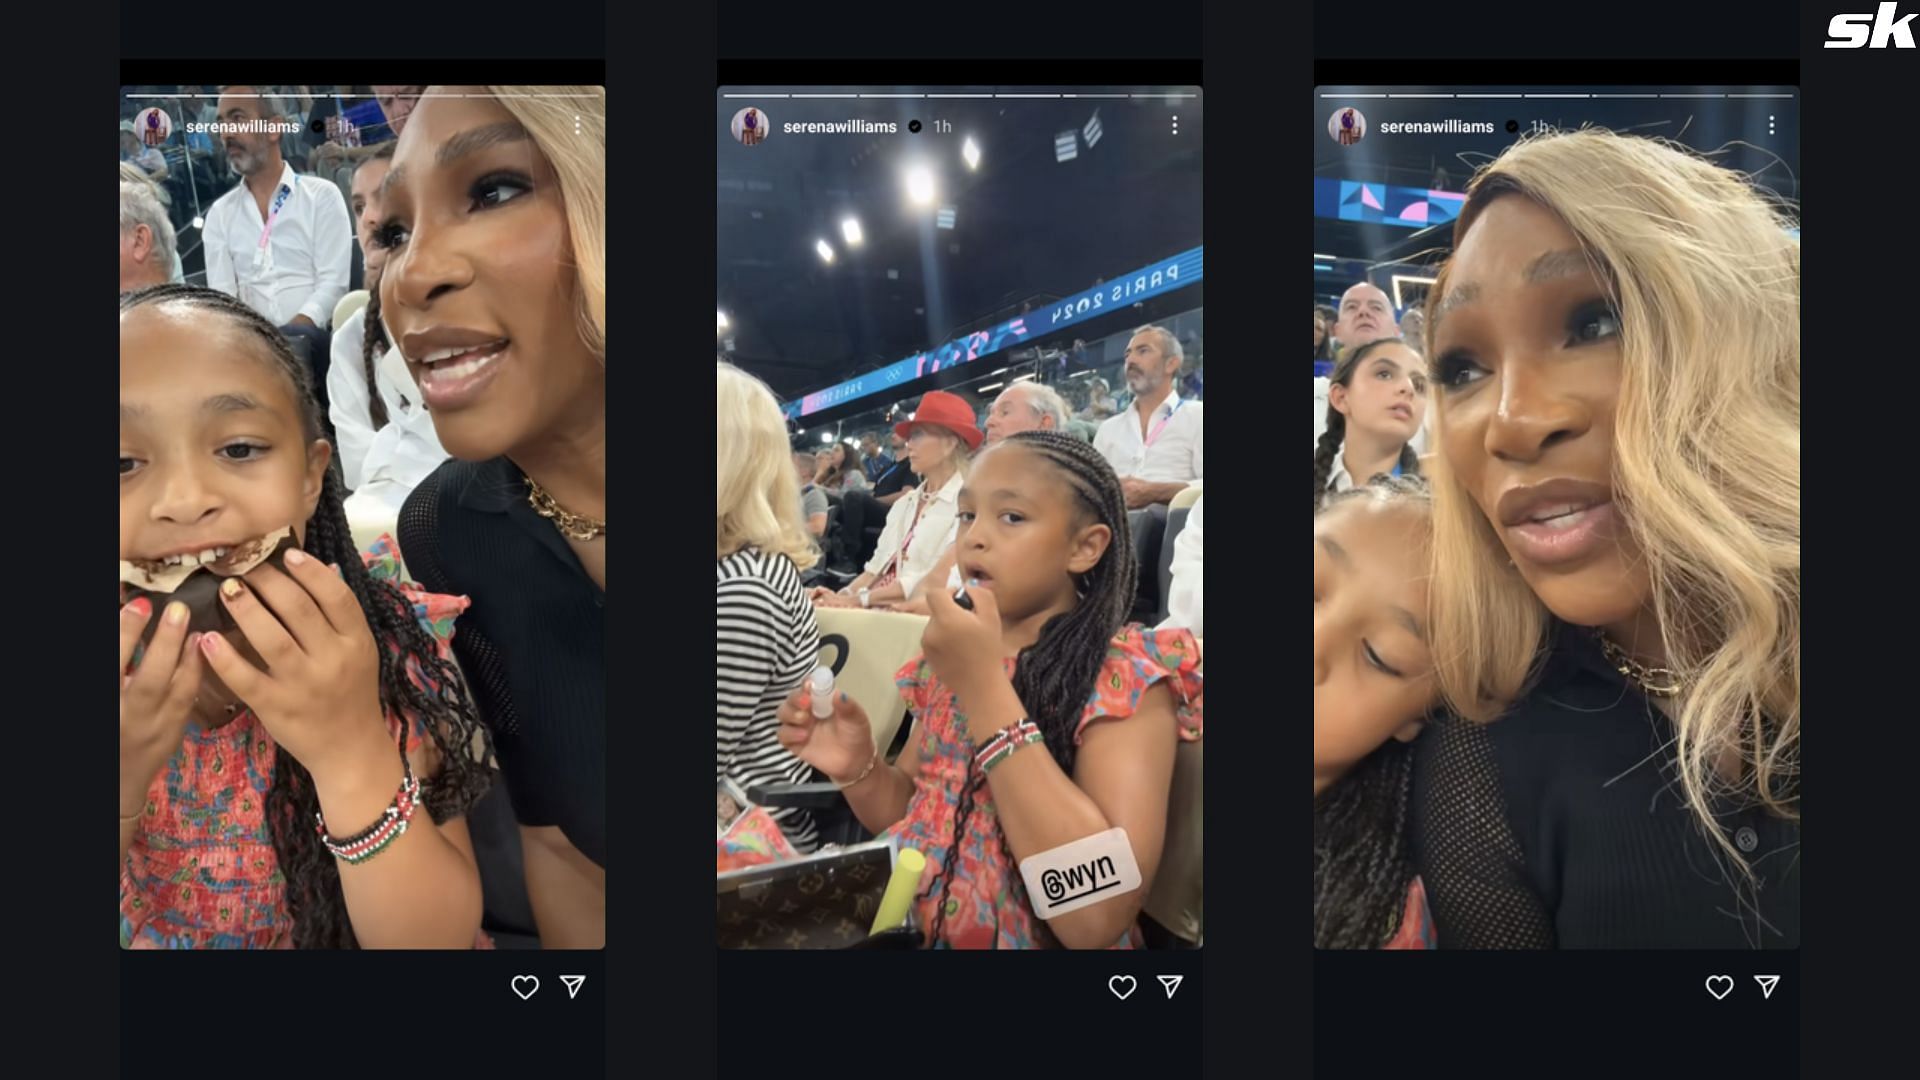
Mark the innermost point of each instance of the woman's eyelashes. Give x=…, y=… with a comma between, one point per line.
x=486, y=191
x=1456, y=370
x=389, y=234
x=490, y=192
x=1593, y=321
x=1589, y=323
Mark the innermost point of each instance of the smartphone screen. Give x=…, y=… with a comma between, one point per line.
x=1542, y=310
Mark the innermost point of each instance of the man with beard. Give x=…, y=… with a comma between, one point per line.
x=280, y=242
x=1155, y=446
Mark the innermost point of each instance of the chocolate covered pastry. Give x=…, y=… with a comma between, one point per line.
x=197, y=584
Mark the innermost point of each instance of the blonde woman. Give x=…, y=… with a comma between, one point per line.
x=941, y=439
x=1616, y=591
x=493, y=222
x=767, y=638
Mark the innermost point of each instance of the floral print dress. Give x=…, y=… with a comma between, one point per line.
x=986, y=906
x=201, y=873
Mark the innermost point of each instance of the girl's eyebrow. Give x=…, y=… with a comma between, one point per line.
x=1405, y=618
x=218, y=403
x=227, y=403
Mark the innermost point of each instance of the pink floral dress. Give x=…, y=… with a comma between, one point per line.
x=986, y=907
x=201, y=872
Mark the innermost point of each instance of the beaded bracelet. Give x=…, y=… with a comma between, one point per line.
x=375, y=838
x=1006, y=741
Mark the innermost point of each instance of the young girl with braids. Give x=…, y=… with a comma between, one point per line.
x=266, y=800
x=1375, y=406
x=1043, y=654
x=1372, y=684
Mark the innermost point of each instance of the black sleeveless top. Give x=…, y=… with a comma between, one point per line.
x=1562, y=825
x=532, y=646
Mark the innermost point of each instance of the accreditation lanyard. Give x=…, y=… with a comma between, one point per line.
x=1154, y=433
x=263, y=255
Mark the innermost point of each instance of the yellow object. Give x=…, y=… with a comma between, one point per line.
x=900, y=889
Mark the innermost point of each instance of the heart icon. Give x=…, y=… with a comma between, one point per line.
x=1121, y=985
x=525, y=985
x=1719, y=986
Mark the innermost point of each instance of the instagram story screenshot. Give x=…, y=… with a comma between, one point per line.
x=1556, y=542
x=960, y=386
x=363, y=540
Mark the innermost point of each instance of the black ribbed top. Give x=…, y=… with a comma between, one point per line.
x=1561, y=825
x=532, y=646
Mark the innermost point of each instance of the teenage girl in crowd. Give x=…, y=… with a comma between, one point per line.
x=1093, y=709
x=234, y=748
x=1376, y=404
x=841, y=469
x=1372, y=684
x=1616, y=346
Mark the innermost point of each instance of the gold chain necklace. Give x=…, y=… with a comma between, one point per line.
x=572, y=526
x=1658, y=681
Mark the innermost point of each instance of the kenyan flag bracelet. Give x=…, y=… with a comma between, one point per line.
x=374, y=839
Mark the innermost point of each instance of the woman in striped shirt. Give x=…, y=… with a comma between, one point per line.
x=767, y=638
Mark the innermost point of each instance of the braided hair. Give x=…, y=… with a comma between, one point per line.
x=1336, y=434
x=314, y=900
x=1055, y=675
x=373, y=340
x=1362, y=867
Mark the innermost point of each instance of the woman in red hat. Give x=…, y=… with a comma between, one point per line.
x=920, y=527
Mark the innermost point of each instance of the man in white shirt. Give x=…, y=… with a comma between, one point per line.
x=279, y=241
x=1156, y=444
x=381, y=460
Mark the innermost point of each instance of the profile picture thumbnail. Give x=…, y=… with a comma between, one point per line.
x=153, y=126
x=1347, y=126
x=750, y=126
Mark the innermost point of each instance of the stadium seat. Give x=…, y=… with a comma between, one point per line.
x=1187, y=497
x=1176, y=520
x=348, y=304
x=865, y=649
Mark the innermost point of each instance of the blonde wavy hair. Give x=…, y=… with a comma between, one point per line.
x=757, y=497
x=571, y=133
x=1706, y=453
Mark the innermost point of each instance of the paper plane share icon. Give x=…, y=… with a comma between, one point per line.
x=573, y=985
x=1172, y=983
x=1767, y=983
